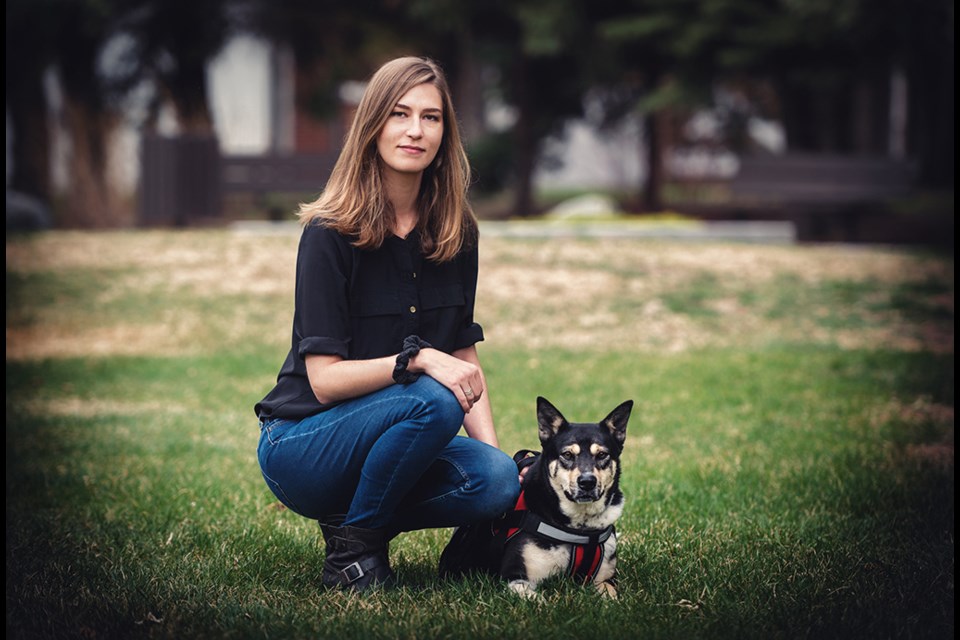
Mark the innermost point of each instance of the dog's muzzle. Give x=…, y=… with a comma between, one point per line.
x=587, y=489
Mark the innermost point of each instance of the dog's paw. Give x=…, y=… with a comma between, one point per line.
x=525, y=589
x=607, y=589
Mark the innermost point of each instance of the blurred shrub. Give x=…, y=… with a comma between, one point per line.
x=492, y=161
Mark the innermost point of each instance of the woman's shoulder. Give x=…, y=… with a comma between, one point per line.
x=318, y=239
x=319, y=231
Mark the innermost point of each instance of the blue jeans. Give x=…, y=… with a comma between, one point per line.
x=389, y=460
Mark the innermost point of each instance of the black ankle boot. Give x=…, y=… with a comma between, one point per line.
x=356, y=558
x=328, y=523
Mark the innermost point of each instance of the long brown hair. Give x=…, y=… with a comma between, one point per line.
x=354, y=201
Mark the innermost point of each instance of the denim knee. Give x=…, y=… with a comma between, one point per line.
x=443, y=405
x=501, y=486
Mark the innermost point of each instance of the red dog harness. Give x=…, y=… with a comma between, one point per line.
x=586, y=547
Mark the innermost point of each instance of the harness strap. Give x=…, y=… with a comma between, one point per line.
x=586, y=551
x=585, y=560
x=560, y=535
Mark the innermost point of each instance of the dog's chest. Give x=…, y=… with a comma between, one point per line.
x=539, y=561
x=591, y=516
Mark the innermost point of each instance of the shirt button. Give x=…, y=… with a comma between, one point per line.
x=414, y=275
x=413, y=309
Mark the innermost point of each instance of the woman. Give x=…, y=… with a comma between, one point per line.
x=360, y=431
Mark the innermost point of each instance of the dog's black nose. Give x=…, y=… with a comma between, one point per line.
x=587, y=482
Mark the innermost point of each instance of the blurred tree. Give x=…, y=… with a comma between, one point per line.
x=925, y=48
x=833, y=63
x=533, y=52
x=829, y=73
x=830, y=63
x=331, y=42
x=101, y=50
x=546, y=80
x=171, y=43
x=30, y=46
x=665, y=57
x=90, y=117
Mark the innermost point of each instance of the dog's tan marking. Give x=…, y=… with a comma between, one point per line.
x=574, y=449
x=557, y=423
x=595, y=449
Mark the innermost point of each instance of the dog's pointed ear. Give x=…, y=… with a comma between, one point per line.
x=616, y=422
x=549, y=420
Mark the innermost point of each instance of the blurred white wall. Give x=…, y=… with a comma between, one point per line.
x=239, y=82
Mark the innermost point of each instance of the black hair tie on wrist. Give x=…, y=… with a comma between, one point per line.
x=411, y=347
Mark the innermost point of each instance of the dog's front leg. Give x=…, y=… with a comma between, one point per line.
x=607, y=589
x=606, y=578
x=525, y=565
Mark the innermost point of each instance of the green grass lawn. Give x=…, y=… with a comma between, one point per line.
x=789, y=467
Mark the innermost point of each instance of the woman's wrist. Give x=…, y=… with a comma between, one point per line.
x=418, y=363
x=406, y=370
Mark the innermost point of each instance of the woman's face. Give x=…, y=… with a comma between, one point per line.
x=410, y=139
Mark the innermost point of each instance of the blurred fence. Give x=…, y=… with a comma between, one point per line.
x=184, y=179
x=180, y=179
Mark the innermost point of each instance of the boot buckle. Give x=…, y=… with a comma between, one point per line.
x=351, y=573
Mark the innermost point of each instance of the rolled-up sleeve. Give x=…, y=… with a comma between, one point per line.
x=323, y=310
x=469, y=332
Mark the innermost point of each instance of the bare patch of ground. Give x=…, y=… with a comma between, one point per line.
x=212, y=289
x=613, y=294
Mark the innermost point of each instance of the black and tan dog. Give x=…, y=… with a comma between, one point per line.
x=564, y=519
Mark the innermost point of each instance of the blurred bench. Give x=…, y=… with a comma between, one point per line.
x=263, y=175
x=828, y=197
x=185, y=178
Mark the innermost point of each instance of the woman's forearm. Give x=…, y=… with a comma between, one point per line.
x=479, y=422
x=334, y=379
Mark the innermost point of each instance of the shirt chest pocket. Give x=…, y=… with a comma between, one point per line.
x=440, y=297
x=368, y=304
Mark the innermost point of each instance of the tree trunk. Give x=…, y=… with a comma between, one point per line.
x=526, y=153
x=650, y=197
x=90, y=201
x=188, y=93
x=469, y=90
x=931, y=116
x=27, y=105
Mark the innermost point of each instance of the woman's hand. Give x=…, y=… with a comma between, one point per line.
x=523, y=474
x=461, y=377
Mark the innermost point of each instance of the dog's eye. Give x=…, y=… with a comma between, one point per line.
x=603, y=455
x=567, y=455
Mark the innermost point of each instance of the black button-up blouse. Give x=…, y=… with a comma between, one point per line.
x=361, y=304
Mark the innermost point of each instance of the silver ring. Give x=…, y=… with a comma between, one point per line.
x=468, y=393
